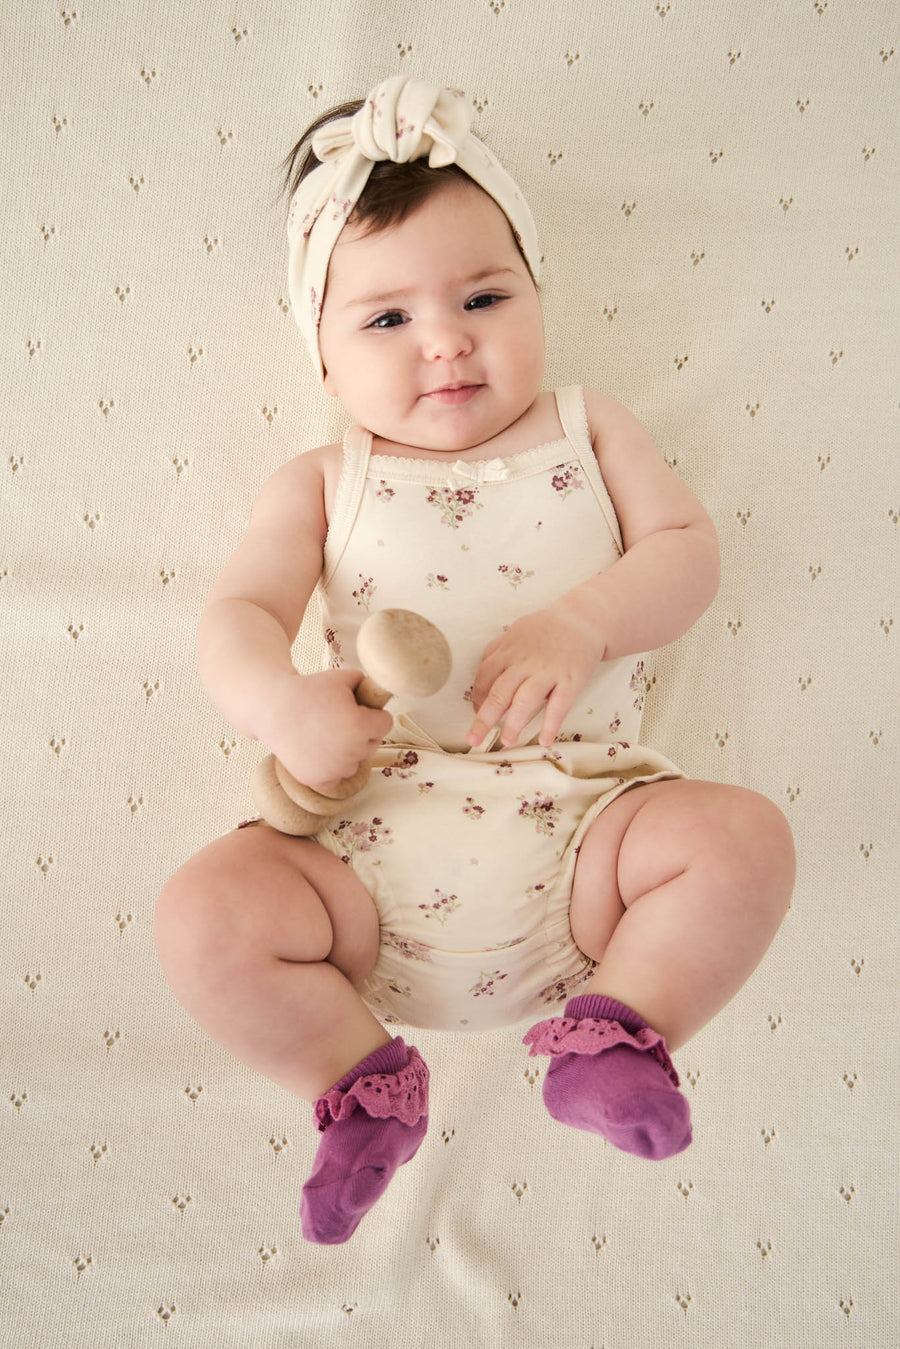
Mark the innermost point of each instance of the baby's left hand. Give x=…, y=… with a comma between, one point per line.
x=545, y=656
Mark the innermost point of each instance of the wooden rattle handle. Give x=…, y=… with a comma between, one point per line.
x=367, y=694
x=405, y=651
x=370, y=694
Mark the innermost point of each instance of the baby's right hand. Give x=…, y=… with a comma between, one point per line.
x=319, y=731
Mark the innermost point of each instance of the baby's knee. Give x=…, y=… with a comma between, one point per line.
x=761, y=840
x=200, y=920
x=180, y=918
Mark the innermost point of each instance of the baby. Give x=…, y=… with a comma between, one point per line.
x=516, y=847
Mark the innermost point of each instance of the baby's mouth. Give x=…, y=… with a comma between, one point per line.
x=453, y=394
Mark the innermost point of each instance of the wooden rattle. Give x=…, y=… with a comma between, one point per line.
x=399, y=651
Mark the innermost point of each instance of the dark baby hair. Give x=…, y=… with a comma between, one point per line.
x=393, y=191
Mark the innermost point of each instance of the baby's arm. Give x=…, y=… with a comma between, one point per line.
x=669, y=574
x=311, y=722
x=666, y=578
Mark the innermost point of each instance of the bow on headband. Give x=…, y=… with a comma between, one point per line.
x=401, y=120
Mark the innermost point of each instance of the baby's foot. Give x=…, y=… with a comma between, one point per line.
x=612, y=1075
x=373, y=1121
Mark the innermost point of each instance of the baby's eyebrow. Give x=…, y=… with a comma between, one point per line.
x=383, y=297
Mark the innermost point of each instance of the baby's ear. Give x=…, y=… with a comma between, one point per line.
x=328, y=386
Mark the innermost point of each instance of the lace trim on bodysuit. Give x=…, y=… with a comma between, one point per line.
x=403, y=1095
x=496, y=470
x=357, y=458
x=591, y=1035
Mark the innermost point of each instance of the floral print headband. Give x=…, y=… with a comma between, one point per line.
x=402, y=119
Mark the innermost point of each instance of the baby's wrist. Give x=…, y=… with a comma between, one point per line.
x=275, y=703
x=583, y=607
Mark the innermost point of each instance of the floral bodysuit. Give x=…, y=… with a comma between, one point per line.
x=468, y=853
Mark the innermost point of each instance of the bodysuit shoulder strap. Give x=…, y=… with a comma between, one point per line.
x=357, y=450
x=573, y=416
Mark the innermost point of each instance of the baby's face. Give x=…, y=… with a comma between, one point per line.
x=443, y=299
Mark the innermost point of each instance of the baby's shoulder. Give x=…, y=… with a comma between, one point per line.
x=605, y=415
x=308, y=481
x=614, y=430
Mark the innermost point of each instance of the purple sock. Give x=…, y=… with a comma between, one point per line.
x=612, y=1075
x=373, y=1121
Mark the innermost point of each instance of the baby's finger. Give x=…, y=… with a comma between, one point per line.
x=494, y=706
x=492, y=645
x=375, y=723
x=488, y=673
x=527, y=701
x=558, y=706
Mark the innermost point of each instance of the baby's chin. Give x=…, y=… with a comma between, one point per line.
x=450, y=429
x=450, y=448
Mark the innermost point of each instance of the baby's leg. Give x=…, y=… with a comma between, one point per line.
x=264, y=938
x=679, y=890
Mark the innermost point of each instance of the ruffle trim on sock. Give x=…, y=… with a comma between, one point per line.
x=403, y=1095
x=564, y=1035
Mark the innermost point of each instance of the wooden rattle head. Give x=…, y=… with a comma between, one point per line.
x=403, y=652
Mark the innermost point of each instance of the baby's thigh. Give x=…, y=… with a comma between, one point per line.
x=652, y=833
x=596, y=906
x=258, y=892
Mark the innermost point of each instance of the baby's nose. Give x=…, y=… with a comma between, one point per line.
x=446, y=340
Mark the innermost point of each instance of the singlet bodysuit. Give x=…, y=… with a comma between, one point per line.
x=468, y=853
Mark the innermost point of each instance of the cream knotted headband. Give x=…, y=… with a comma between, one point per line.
x=402, y=119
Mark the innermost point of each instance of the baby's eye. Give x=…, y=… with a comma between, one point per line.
x=483, y=301
x=384, y=321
